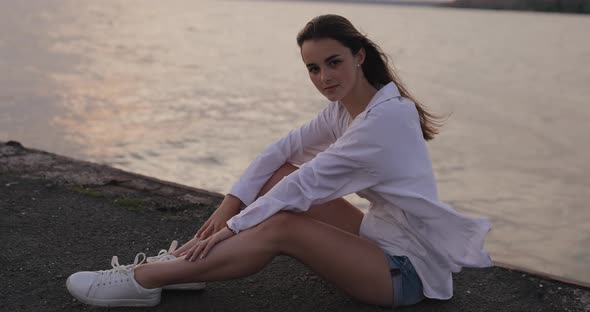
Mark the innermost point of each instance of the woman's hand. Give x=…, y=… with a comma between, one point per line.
x=228, y=208
x=202, y=248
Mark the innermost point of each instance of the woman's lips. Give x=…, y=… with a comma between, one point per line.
x=330, y=88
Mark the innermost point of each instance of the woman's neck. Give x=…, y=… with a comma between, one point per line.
x=358, y=98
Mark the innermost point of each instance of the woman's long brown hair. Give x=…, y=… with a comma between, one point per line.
x=376, y=66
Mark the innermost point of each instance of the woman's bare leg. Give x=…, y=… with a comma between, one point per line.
x=353, y=264
x=338, y=212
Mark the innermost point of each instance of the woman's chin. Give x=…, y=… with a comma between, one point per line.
x=332, y=97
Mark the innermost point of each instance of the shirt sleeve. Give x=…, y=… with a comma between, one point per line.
x=298, y=146
x=347, y=166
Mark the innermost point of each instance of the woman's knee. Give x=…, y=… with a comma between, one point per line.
x=278, y=221
x=279, y=225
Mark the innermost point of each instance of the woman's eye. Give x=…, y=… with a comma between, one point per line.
x=334, y=62
x=313, y=69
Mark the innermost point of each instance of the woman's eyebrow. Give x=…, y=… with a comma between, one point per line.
x=325, y=61
x=330, y=58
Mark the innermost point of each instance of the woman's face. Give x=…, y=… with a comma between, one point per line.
x=332, y=67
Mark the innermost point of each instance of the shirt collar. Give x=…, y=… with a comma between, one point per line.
x=387, y=92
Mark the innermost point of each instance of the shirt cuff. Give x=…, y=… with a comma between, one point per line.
x=232, y=225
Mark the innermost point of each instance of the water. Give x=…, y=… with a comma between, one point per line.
x=191, y=91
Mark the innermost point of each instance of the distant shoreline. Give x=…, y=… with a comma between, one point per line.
x=557, y=6
x=393, y=2
x=560, y=6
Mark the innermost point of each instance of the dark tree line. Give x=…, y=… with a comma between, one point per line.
x=571, y=6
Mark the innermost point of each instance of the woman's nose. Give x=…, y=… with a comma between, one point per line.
x=326, y=76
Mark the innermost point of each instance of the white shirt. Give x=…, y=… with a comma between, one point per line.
x=382, y=156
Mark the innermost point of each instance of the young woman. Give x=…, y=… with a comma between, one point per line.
x=369, y=140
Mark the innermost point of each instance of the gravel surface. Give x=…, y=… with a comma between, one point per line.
x=51, y=227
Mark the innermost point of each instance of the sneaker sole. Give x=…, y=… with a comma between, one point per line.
x=186, y=286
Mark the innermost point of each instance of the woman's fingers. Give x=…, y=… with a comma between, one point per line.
x=186, y=246
x=202, y=229
x=187, y=254
x=198, y=249
x=191, y=251
x=219, y=236
x=210, y=244
x=208, y=229
x=201, y=249
x=207, y=232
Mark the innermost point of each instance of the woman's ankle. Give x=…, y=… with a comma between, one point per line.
x=141, y=275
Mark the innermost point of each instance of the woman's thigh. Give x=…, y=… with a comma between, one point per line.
x=353, y=264
x=338, y=212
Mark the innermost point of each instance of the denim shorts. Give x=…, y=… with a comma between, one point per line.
x=407, y=286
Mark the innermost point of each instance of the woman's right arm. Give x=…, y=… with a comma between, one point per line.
x=297, y=147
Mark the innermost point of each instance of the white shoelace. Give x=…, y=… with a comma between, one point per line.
x=119, y=272
x=164, y=254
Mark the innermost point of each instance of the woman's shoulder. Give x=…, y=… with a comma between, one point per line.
x=397, y=105
x=394, y=111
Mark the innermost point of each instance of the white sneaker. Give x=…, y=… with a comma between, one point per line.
x=165, y=255
x=116, y=287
